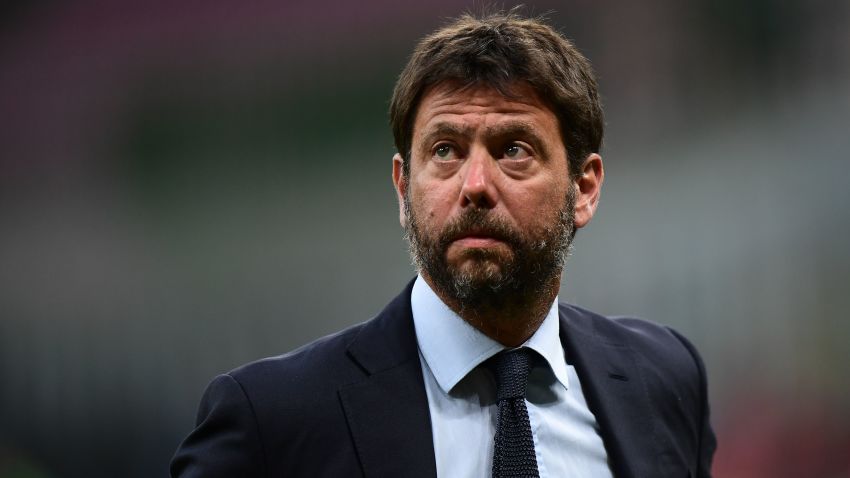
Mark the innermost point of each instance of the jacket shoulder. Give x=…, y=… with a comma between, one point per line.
x=339, y=358
x=319, y=366
x=269, y=417
x=660, y=344
x=671, y=369
x=671, y=372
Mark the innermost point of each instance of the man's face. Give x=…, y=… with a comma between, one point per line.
x=489, y=203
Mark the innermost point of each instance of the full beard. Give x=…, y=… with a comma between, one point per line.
x=490, y=282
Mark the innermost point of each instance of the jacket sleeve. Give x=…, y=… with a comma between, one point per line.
x=226, y=440
x=707, y=440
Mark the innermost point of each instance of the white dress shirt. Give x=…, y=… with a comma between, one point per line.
x=461, y=396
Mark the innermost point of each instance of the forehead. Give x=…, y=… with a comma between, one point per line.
x=482, y=104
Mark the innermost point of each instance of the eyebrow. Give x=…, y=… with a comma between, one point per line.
x=444, y=129
x=514, y=129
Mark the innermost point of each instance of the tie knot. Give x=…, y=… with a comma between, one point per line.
x=511, y=370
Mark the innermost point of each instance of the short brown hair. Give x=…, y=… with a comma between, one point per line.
x=499, y=50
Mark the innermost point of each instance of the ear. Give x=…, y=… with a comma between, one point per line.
x=588, y=186
x=400, y=184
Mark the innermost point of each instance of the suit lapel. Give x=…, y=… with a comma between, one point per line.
x=389, y=420
x=387, y=412
x=615, y=392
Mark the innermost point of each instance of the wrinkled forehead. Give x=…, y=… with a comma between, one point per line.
x=452, y=100
x=509, y=88
x=513, y=90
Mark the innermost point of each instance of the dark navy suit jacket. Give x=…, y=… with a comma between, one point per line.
x=353, y=404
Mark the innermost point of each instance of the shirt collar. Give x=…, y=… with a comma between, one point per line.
x=452, y=348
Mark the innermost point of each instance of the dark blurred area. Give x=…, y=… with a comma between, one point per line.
x=187, y=186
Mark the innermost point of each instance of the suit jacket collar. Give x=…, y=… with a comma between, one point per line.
x=614, y=389
x=388, y=414
x=387, y=411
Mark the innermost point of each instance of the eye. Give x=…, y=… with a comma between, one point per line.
x=516, y=151
x=445, y=152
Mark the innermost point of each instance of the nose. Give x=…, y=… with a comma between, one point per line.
x=478, y=189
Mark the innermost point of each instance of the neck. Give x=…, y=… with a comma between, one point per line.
x=509, y=317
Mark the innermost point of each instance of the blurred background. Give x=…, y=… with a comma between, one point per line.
x=188, y=186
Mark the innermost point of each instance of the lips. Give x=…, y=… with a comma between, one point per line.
x=477, y=241
x=477, y=238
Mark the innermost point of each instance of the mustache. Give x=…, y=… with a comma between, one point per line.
x=479, y=222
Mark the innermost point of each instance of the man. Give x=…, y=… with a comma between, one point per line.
x=475, y=370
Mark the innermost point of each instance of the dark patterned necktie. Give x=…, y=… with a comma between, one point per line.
x=513, y=455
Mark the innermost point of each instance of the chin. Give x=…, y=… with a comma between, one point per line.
x=481, y=258
x=480, y=274
x=480, y=262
